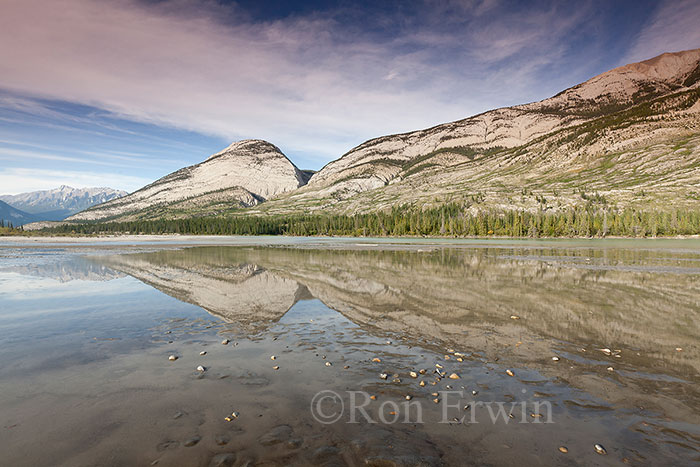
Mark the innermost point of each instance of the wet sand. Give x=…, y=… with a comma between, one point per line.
x=89, y=334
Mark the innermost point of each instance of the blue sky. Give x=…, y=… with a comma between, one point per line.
x=121, y=92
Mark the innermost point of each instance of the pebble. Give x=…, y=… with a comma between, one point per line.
x=225, y=342
x=556, y=359
x=275, y=367
x=679, y=349
x=514, y=317
x=563, y=449
x=474, y=393
x=611, y=368
x=436, y=400
x=600, y=449
x=454, y=376
x=172, y=358
x=421, y=384
x=346, y=367
x=328, y=363
x=377, y=360
x=192, y=441
x=383, y=375
x=177, y=415
x=201, y=368
x=408, y=397
x=272, y=357
x=396, y=380
x=413, y=374
x=439, y=366
x=373, y=397
x=422, y=371
x=606, y=351
x=203, y=352
x=510, y=373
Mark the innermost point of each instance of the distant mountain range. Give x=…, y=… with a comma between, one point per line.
x=628, y=138
x=53, y=205
x=10, y=215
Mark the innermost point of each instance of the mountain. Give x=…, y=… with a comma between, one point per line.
x=59, y=203
x=628, y=137
x=8, y=215
x=244, y=174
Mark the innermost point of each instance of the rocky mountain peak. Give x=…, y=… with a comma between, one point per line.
x=249, y=147
x=243, y=174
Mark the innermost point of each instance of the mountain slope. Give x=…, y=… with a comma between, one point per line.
x=630, y=134
x=9, y=214
x=628, y=138
x=59, y=203
x=244, y=174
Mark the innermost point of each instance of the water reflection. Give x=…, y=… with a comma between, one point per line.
x=108, y=341
x=62, y=269
x=565, y=300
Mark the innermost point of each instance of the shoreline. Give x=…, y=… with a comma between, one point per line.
x=327, y=241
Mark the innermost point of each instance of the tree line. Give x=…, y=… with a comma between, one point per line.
x=453, y=220
x=8, y=228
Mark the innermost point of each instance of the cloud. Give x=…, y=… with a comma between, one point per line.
x=675, y=26
x=19, y=180
x=316, y=85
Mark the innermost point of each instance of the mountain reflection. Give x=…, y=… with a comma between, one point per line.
x=66, y=270
x=643, y=302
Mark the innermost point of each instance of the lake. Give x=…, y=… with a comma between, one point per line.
x=381, y=352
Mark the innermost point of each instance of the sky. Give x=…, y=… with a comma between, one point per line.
x=118, y=93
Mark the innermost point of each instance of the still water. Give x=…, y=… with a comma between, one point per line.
x=385, y=353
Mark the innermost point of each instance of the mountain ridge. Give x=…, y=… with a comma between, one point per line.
x=243, y=174
x=14, y=216
x=59, y=203
x=628, y=137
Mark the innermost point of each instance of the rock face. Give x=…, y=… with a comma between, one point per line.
x=61, y=202
x=242, y=175
x=378, y=161
x=628, y=138
x=631, y=130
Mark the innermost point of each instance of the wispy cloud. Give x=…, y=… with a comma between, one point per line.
x=314, y=85
x=675, y=26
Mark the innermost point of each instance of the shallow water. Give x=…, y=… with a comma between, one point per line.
x=86, y=331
